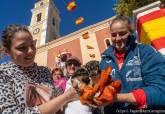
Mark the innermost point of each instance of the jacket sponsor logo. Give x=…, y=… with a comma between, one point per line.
x=134, y=61
x=134, y=74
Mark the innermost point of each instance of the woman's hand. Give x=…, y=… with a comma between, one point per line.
x=71, y=94
x=58, y=102
x=125, y=97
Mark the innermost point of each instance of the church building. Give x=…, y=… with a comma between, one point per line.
x=86, y=44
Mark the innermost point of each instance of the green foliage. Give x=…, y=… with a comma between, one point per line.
x=127, y=6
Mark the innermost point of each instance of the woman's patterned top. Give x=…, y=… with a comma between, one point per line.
x=13, y=79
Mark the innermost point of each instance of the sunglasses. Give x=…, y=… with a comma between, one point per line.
x=121, y=33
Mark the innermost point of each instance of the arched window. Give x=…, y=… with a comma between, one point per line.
x=107, y=42
x=39, y=17
x=41, y=3
x=53, y=21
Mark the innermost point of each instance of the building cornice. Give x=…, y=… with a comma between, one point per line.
x=75, y=35
x=39, y=8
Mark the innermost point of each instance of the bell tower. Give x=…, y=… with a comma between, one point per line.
x=45, y=21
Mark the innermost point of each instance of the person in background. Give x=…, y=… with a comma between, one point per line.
x=17, y=42
x=140, y=68
x=59, y=79
x=72, y=64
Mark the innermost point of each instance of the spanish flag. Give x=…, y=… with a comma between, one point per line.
x=79, y=20
x=85, y=35
x=71, y=5
x=151, y=29
x=92, y=55
x=90, y=47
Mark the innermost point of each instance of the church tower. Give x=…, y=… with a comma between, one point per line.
x=44, y=22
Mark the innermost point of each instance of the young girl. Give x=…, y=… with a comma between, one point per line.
x=139, y=67
x=59, y=79
x=18, y=42
x=79, y=79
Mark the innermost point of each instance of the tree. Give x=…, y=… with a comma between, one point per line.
x=127, y=6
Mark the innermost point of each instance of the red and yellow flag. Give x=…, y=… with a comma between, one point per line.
x=71, y=5
x=151, y=29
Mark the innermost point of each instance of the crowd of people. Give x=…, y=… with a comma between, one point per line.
x=26, y=88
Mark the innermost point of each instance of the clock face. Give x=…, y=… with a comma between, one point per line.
x=37, y=30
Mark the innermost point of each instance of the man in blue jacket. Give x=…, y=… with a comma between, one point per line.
x=140, y=68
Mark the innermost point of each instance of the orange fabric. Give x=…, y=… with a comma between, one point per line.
x=87, y=95
x=106, y=87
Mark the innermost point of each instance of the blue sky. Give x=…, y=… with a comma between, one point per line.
x=93, y=11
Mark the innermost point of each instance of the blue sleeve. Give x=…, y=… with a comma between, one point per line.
x=153, y=72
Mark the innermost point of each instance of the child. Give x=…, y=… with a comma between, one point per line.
x=86, y=78
x=59, y=79
x=93, y=69
x=89, y=75
x=103, y=88
x=79, y=79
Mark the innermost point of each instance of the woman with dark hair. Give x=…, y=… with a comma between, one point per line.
x=140, y=68
x=21, y=77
